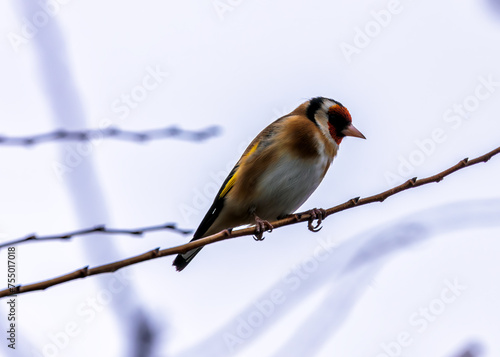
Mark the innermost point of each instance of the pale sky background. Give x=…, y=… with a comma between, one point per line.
x=423, y=86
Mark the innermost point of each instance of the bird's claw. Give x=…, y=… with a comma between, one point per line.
x=261, y=226
x=318, y=214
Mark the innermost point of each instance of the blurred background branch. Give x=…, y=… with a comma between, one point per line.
x=473, y=350
x=171, y=132
x=98, y=229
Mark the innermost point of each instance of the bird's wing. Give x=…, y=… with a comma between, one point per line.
x=263, y=140
x=218, y=203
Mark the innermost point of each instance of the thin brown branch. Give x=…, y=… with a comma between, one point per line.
x=114, y=133
x=293, y=219
x=98, y=229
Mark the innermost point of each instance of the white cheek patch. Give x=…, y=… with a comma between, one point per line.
x=327, y=105
x=322, y=120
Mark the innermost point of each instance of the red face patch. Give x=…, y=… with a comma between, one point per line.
x=340, y=111
x=334, y=135
x=339, y=118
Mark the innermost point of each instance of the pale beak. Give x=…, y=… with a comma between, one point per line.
x=352, y=131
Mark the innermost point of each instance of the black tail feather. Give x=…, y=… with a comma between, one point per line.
x=182, y=260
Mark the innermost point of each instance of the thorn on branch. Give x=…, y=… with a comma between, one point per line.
x=83, y=272
x=15, y=289
x=354, y=201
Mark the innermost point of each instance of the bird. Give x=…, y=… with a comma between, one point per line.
x=278, y=171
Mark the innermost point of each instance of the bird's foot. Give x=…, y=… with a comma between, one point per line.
x=318, y=214
x=261, y=226
x=227, y=232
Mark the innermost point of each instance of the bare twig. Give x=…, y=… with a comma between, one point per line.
x=97, y=229
x=114, y=133
x=293, y=219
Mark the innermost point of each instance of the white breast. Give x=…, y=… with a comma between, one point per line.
x=288, y=184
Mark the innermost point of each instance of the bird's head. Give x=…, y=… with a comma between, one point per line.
x=333, y=118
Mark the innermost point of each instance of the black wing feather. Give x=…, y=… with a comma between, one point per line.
x=215, y=209
x=182, y=260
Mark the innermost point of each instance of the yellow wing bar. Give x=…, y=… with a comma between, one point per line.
x=232, y=180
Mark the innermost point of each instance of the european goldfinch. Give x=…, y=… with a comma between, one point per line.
x=278, y=171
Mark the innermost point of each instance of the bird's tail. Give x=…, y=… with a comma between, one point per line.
x=182, y=260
